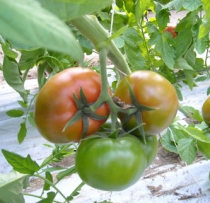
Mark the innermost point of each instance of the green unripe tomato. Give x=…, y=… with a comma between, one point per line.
x=110, y=164
x=150, y=148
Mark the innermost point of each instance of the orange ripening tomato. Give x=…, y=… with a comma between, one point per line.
x=55, y=105
x=151, y=90
x=171, y=29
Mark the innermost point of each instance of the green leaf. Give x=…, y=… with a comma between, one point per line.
x=119, y=42
x=28, y=59
x=140, y=8
x=163, y=18
x=21, y=164
x=201, y=78
x=12, y=77
x=189, y=75
x=32, y=25
x=49, y=177
x=75, y=192
x=179, y=93
x=177, y=4
x=205, y=26
x=191, y=112
x=187, y=150
x=23, y=104
x=196, y=133
x=132, y=37
x=167, y=142
x=65, y=173
x=15, y=113
x=200, y=44
x=11, y=187
x=182, y=42
x=69, y=9
x=191, y=5
x=49, y=199
x=118, y=33
x=22, y=132
x=190, y=56
x=167, y=52
x=134, y=57
x=8, y=51
x=178, y=134
x=31, y=119
x=181, y=63
x=208, y=91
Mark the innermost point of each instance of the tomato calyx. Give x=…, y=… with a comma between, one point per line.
x=84, y=112
x=136, y=110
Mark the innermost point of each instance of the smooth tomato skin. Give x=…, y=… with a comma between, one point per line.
x=206, y=111
x=55, y=105
x=171, y=29
x=151, y=148
x=110, y=164
x=152, y=90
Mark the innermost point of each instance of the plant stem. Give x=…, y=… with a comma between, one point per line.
x=92, y=30
x=52, y=185
x=39, y=197
x=145, y=43
x=105, y=96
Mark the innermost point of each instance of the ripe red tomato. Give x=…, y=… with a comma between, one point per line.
x=171, y=29
x=206, y=111
x=152, y=90
x=110, y=164
x=55, y=104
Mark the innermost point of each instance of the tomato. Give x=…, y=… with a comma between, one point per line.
x=110, y=164
x=171, y=29
x=55, y=104
x=206, y=111
x=150, y=148
x=152, y=90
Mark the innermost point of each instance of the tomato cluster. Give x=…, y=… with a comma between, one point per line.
x=109, y=162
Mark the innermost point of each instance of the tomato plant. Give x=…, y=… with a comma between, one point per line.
x=171, y=29
x=111, y=164
x=55, y=105
x=132, y=35
x=152, y=90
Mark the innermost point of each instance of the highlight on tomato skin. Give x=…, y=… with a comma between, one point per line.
x=55, y=105
x=171, y=29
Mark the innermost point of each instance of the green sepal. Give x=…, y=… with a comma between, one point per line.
x=75, y=118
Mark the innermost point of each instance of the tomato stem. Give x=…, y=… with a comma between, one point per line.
x=105, y=96
x=52, y=185
x=92, y=30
